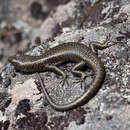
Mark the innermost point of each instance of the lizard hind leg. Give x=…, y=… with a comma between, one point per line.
x=76, y=71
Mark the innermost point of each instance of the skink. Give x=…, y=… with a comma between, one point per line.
x=67, y=52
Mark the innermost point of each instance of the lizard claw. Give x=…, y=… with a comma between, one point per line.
x=64, y=81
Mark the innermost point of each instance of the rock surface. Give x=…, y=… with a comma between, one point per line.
x=22, y=103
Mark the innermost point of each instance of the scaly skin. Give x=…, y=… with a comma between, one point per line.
x=66, y=52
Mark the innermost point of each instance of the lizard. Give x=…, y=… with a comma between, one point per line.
x=66, y=52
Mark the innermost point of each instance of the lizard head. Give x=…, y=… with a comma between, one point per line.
x=14, y=60
x=20, y=62
x=26, y=63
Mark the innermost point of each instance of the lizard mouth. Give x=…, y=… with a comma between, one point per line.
x=13, y=60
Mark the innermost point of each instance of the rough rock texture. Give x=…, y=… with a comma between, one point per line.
x=22, y=103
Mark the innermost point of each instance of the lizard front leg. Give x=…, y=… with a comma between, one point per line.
x=58, y=71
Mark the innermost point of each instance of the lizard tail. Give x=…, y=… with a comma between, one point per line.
x=94, y=87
